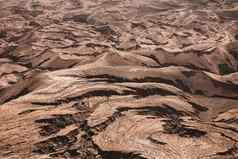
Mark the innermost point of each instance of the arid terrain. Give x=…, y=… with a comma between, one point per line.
x=119, y=79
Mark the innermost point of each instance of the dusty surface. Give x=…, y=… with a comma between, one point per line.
x=125, y=79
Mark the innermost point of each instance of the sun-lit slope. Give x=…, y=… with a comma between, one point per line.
x=125, y=79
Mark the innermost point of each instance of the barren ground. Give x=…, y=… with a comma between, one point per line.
x=119, y=79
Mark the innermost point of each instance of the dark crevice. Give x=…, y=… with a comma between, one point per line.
x=189, y=74
x=100, y=93
x=224, y=69
x=117, y=79
x=55, y=143
x=175, y=126
x=3, y=34
x=107, y=78
x=156, y=141
x=226, y=136
x=94, y=45
x=164, y=111
x=153, y=57
x=95, y=93
x=120, y=155
x=27, y=111
x=181, y=85
x=233, y=48
x=232, y=152
x=82, y=18
x=198, y=107
x=46, y=104
x=102, y=126
x=225, y=97
x=55, y=123
x=225, y=86
x=226, y=128
x=149, y=91
x=105, y=29
x=230, y=121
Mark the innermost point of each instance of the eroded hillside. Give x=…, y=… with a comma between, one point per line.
x=119, y=79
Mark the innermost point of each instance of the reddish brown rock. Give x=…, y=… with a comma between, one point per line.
x=134, y=79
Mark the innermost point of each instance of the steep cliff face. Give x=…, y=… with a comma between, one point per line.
x=119, y=79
